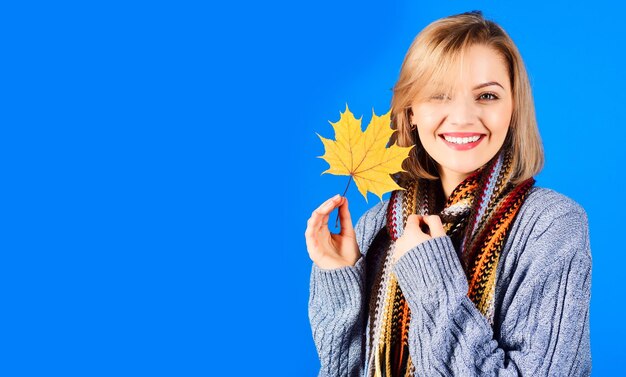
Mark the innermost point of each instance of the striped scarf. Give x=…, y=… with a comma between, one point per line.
x=477, y=216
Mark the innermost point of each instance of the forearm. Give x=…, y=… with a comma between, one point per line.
x=336, y=314
x=449, y=336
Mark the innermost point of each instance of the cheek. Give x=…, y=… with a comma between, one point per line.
x=498, y=121
x=428, y=120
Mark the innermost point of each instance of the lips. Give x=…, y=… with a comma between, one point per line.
x=462, y=140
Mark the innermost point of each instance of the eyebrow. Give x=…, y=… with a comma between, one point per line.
x=488, y=84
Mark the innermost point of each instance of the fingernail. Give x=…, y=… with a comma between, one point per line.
x=336, y=196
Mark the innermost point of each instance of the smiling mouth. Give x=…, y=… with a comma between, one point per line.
x=462, y=138
x=462, y=141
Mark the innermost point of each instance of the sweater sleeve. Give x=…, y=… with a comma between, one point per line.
x=337, y=305
x=544, y=319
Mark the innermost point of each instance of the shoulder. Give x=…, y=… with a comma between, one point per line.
x=550, y=203
x=547, y=263
x=545, y=207
x=551, y=226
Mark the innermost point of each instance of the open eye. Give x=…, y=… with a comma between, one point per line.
x=488, y=96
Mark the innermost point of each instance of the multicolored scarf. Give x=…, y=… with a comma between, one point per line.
x=477, y=216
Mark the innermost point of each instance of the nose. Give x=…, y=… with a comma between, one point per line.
x=462, y=112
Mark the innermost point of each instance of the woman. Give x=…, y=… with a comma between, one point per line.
x=471, y=269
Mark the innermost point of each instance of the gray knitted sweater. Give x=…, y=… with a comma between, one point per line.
x=542, y=297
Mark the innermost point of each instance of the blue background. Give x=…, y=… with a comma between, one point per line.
x=159, y=165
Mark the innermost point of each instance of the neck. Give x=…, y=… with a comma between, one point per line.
x=450, y=180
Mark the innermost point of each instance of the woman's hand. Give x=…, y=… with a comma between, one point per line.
x=418, y=229
x=329, y=250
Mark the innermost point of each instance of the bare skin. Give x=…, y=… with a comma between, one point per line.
x=330, y=250
x=413, y=234
x=481, y=103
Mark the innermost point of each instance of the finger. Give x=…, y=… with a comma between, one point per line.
x=435, y=225
x=344, y=216
x=310, y=244
x=319, y=217
x=413, y=223
x=414, y=218
x=420, y=225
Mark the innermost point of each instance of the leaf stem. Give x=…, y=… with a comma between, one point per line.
x=344, y=194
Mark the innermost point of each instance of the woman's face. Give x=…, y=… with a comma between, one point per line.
x=463, y=130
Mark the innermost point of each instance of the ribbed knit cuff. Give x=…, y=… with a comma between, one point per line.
x=431, y=267
x=339, y=288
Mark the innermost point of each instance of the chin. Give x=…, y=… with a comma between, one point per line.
x=466, y=168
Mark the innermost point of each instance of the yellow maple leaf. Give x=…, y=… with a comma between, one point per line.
x=364, y=155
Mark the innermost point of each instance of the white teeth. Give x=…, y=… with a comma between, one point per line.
x=461, y=140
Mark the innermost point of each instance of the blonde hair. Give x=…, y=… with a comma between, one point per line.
x=433, y=55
